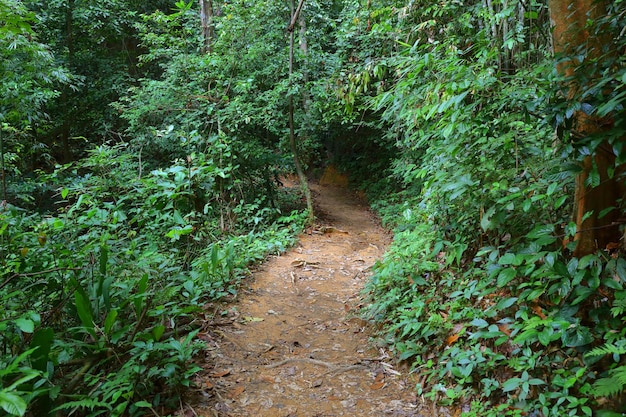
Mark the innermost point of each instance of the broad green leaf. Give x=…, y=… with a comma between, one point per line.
x=577, y=336
x=507, y=259
x=506, y=303
x=511, y=384
x=12, y=404
x=541, y=230
x=42, y=341
x=25, y=324
x=480, y=323
x=505, y=276
x=157, y=332
x=83, y=308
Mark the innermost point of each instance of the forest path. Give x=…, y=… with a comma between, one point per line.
x=292, y=346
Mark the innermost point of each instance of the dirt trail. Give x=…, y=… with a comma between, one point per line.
x=292, y=347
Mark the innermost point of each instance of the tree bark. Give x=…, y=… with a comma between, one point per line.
x=206, y=21
x=292, y=135
x=66, y=129
x=570, y=34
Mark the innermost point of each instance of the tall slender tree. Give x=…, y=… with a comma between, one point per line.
x=295, y=13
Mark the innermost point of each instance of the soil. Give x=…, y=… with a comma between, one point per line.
x=294, y=346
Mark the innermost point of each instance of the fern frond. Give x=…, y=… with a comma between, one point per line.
x=606, y=387
x=88, y=403
x=611, y=385
x=618, y=307
x=619, y=373
x=616, y=348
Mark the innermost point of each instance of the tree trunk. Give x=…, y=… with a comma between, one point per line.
x=292, y=135
x=569, y=20
x=206, y=21
x=66, y=130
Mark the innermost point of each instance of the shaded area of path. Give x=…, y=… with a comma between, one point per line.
x=292, y=347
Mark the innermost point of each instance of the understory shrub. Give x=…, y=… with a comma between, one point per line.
x=103, y=300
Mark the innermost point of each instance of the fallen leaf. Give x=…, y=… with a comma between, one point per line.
x=236, y=392
x=504, y=329
x=252, y=319
x=538, y=311
x=268, y=379
x=220, y=374
x=451, y=339
x=208, y=385
x=204, y=336
x=377, y=385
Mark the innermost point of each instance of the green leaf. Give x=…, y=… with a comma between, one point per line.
x=507, y=259
x=42, y=341
x=506, y=303
x=480, y=323
x=608, y=413
x=109, y=321
x=511, y=384
x=24, y=324
x=12, y=404
x=83, y=308
x=178, y=231
x=620, y=269
x=142, y=404
x=541, y=230
x=106, y=292
x=104, y=259
x=157, y=332
x=545, y=336
x=577, y=336
x=505, y=276
x=143, y=284
x=552, y=187
x=559, y=202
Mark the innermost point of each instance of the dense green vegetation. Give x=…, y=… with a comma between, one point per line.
x=142, y=145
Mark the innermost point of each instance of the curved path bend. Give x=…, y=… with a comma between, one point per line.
x=293, y=347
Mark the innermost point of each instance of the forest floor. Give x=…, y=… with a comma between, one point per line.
x=292, y=345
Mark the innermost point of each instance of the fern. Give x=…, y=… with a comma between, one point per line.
x=619, y=307
x=616, y=381
x=611, y=385
x=616, y=348
x=89, y=403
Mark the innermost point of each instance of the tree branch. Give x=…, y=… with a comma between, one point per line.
x=294, y=18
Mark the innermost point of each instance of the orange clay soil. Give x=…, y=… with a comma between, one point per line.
x=293, y=346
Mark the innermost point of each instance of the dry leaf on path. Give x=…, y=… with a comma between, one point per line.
x=236, y=392
x=219, y=374
x=377, y=385
x=252, y=319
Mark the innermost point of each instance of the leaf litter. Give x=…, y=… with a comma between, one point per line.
x=295, y=346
